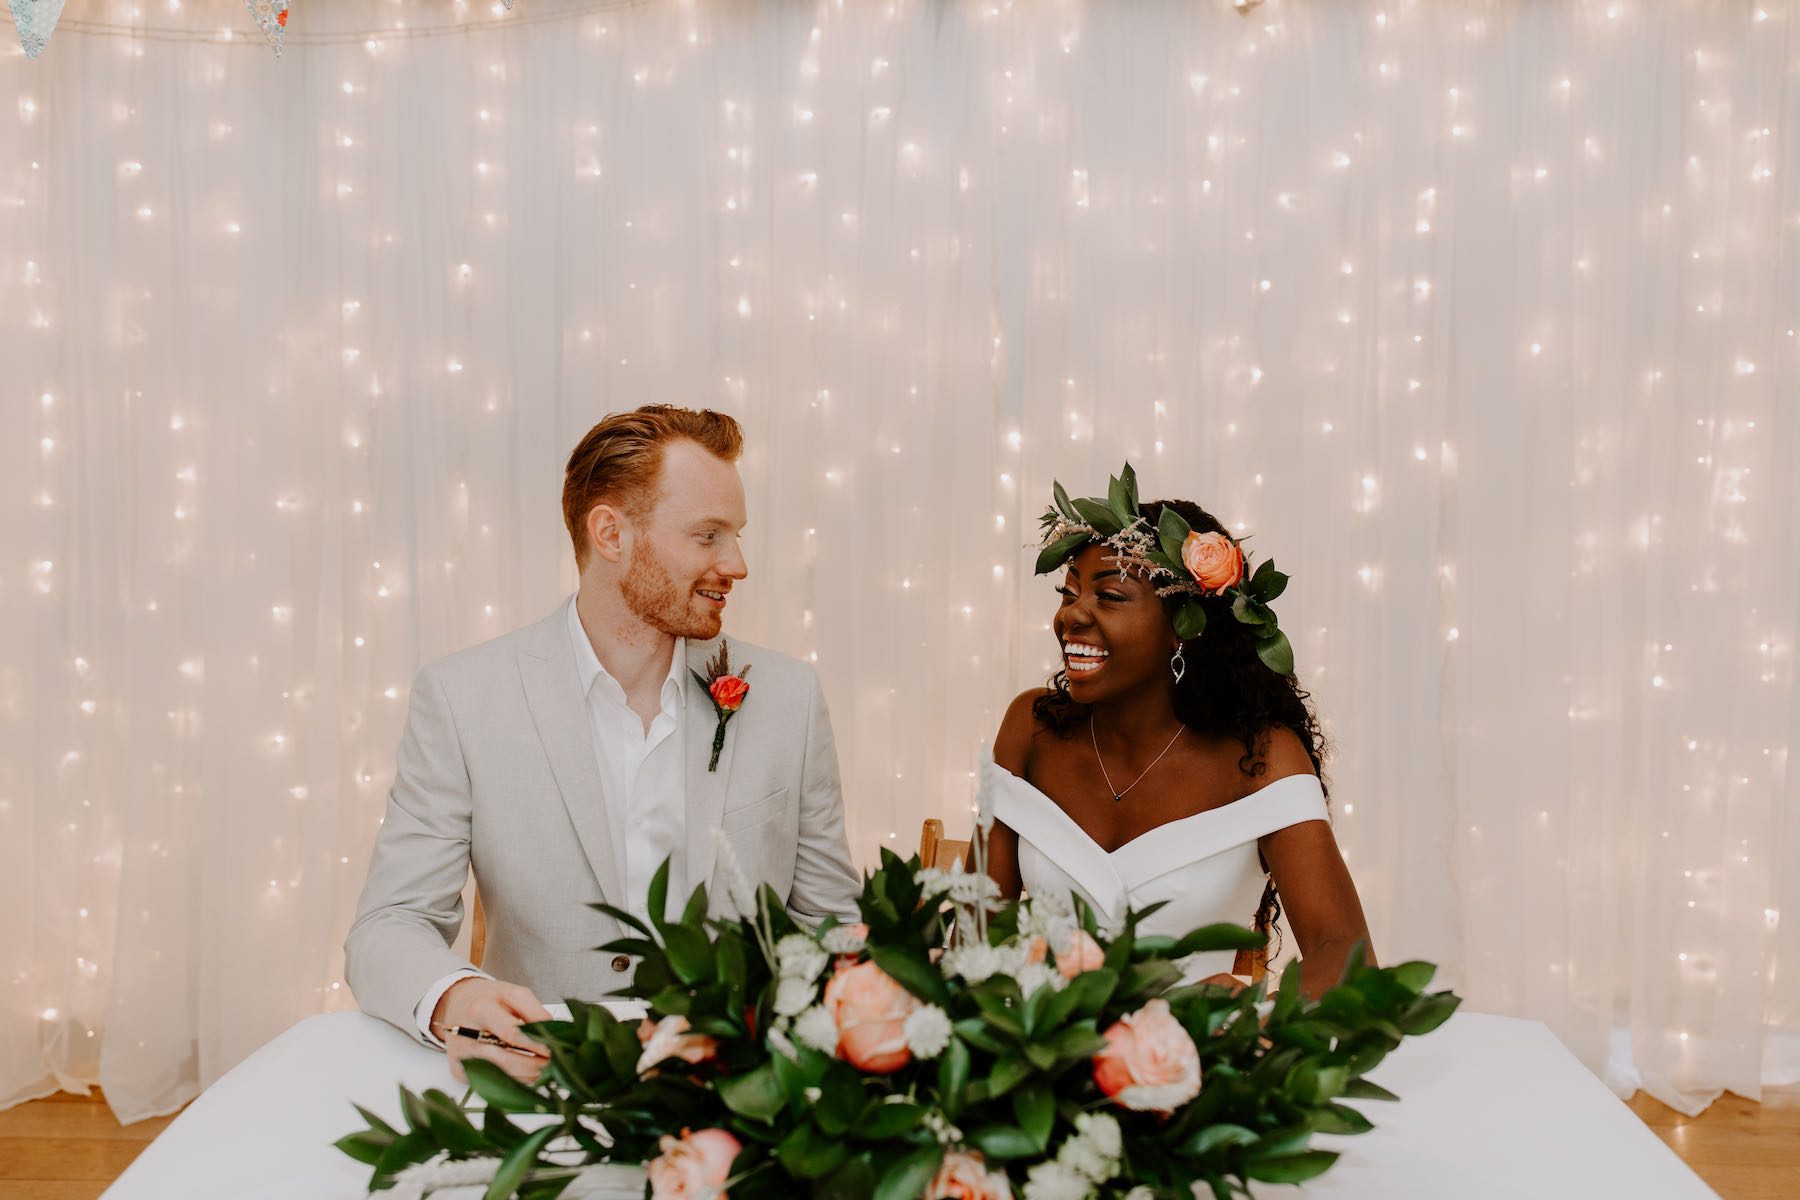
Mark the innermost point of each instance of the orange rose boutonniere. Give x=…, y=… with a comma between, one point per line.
x=727, y=690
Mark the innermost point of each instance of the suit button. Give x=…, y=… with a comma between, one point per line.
x=621, y=963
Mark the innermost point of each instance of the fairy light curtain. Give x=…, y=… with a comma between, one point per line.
x=1479, y=317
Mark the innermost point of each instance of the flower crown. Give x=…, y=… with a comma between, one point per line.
x=1173, y=559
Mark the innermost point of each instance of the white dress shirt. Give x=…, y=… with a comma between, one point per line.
x=643, y=783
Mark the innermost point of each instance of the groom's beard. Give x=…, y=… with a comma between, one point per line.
x=653, y=598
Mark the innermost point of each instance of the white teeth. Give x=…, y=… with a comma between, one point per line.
x=1082, y=657
x=712, y=595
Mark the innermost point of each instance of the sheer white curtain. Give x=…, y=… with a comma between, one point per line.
x=1480, y=316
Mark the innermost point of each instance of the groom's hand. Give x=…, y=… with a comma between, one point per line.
x=498, y=1008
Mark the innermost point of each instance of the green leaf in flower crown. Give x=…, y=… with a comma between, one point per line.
x=1251, y=611
x=1118, y=499
x=1099, y=515
x=754, y=1094
x=1062, y=502
x=1268, y=583
x=1172, y=531
x=906, y=1179
x=1128, y=477
x=1290, y=1168
x=1190, y=621
x=518, y=1163
x=1276, y=654
x=1034, y=1107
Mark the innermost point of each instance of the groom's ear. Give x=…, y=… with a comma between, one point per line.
x=607, y=531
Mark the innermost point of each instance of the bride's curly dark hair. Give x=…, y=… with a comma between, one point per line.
x=1226, y=690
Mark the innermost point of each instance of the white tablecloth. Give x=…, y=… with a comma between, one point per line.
x=1491, y=1107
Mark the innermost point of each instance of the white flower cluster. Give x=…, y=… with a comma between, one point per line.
x=1033, y=976
x=927, y=1031
x=935, y=881
x=1084, y=1161
x=940, y=1127
x=844, y=939
x=978, y=961
x=798, y=961
x=815, y=1028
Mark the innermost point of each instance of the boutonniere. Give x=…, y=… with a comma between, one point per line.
x=727, y=690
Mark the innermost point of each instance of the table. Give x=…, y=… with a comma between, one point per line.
x=1491, y=1107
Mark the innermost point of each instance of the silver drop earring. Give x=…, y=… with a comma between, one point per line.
x=1178, y=665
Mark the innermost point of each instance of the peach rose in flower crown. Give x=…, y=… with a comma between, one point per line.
x=1214, y=559
x=1150, y=1063
x=964, y=1176
x=669, y=1038
x=870, y=1012
x=693, y=1166
x=1080, y=953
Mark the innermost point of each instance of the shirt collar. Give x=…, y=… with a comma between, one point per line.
x=588, y=668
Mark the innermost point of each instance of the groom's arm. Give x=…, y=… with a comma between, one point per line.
x=398, y=950
x=826, y=881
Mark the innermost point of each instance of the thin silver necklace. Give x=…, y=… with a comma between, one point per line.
x=1119, y=794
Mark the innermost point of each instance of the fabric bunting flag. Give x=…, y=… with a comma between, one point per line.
x=35, y=19
x=272, y=17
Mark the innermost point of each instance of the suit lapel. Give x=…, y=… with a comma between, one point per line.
x=553, y=693
x=705, y=789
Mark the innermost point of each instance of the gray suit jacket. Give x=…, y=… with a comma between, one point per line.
x=496, y=771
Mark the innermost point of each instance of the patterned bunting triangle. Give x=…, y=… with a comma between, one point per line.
x=35, y=19
x=271, y=16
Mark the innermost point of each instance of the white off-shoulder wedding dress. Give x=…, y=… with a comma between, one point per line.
x=1205, y=865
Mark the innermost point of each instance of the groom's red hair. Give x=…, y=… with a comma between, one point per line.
x=619, y=459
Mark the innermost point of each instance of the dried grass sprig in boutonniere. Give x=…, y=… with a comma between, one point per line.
x=727, y=691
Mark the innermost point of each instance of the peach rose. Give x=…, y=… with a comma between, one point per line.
x=870, y=1012
x=728, y=692
x=1214, y=559
x=1037, y=949
x=669, y=1038
x=693, y=1166
x=1082, y=953
x=1150, y=1063
x=965, y=1177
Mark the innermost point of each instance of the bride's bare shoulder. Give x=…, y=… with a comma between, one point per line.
x=1019, y=728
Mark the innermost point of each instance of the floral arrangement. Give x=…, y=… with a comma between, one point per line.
x=951, y=1046
x=1174, y=558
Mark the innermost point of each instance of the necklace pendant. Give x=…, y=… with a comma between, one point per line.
x=1116, y=799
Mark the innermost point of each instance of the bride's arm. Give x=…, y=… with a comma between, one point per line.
x=1319, y=900
x=1318, y=896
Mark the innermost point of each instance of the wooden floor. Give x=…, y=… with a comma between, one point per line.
x=70, y=1148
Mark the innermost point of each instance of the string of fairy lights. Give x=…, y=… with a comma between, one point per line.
x=1388, y=419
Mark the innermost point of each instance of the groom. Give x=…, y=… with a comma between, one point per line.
x=566, y=760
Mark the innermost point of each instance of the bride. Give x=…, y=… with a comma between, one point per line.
x=1174, y=757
